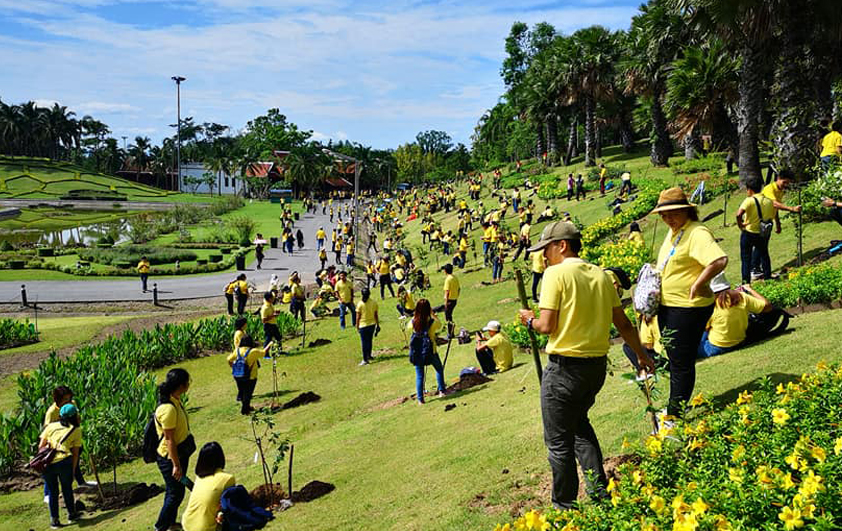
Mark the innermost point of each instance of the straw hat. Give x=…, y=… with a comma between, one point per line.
x=672, y=199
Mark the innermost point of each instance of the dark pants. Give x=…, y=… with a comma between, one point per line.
x=271, y=332
x=754, y=249
x=60, y=473
x=536, y=278
x=684, y=327
x=229, y=298
x=630, y=354
x=568, y=390
x=259, y=256
x=485, y=358
x=386, y=282
x=580, y=192
x=570, y=194
x=403, y=311
x=836, y=214
x=143, y=278
x=174, y=494
x=242, y=299
x=370, y=281
x=296, y=308
x=245, y=388
x=521, y=246
x=449, y=305
x=367, y=340
x=462, y=261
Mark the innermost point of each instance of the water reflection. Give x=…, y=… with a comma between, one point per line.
x=116, y=230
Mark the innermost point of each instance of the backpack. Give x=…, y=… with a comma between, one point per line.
x=240, y=368
x=420, y=348
x=240, y=511
x=464, y=337
x=766, y=325
x=647, y=294
x=151, y=440
x=44, y=457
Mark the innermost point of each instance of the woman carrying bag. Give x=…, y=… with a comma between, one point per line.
x=422, y=351
x=64, y=437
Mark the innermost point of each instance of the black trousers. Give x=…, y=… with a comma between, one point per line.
x=485, y=358
x=536, y=278
x=245, y=388
x=386, y=282
x=242, y=299
x=229, y=298
x=449, y=305
x=568, y=390
x=684, y=327
x=144, y=277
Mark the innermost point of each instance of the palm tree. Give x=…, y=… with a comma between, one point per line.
x=139, y=154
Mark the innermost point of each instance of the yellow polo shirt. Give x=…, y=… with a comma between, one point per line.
x=344, y=289
x=200, y=514
x=750, y=218
x=538, y=264
x=584, y=298
x=367, y=311
x=728, y=325
x=830, y=143
x=171, y=416
x=383, y=267
x=267, y=313
x=54, y=432
x=252, y=358
x=774, y=193
x=696, y=250
x=502, y=349
x=451, y=287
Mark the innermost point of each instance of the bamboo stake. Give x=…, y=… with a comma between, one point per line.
x=289, y=472
x=533, y=344
x=96, y=476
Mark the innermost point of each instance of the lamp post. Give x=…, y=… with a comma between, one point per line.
x=178, y=80
x=124, y=143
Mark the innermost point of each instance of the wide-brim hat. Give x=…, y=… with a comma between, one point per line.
x=672, y=199
x=559, y=230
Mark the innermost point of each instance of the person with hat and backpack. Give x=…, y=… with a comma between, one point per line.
x=65, y=438
x=424, y=327
x=244, y=363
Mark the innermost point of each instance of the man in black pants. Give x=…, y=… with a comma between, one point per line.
x=578, y=305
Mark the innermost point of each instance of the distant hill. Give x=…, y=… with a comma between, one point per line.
x=37, y=178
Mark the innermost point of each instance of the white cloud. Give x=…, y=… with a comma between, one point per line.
x=102, y=107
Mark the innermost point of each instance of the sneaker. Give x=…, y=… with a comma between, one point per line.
x=46, y=499
x=55, y=524
x=363, y=362
x=89, y=484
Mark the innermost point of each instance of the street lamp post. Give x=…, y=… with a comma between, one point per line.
x=124, y=143
x=178, y=80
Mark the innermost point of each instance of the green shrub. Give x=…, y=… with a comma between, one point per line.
x=46, y=251
x=806, y=285
x=712, y=162
x=214, y=258
x=14, y=333
x=133, y=253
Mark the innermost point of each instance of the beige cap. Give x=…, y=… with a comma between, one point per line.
x=492, y=325
x=559, y=230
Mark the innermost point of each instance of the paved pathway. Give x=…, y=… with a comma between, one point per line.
x=174, y=287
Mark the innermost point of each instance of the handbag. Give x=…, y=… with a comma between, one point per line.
x=187, y=447
x=44, y=457
x=765, y=225
x=647, y=294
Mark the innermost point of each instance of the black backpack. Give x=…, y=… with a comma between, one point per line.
x=420, y=348
x=151, y=440
x=765, y=325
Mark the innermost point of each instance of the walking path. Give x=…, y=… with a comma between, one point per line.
x=304, y=261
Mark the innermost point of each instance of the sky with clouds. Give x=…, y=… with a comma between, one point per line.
x=372, y=72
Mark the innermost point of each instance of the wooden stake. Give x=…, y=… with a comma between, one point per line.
x=96, y=476
x=533, y=344
x=289, y=472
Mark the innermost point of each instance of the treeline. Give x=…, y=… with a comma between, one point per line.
x=740, y=75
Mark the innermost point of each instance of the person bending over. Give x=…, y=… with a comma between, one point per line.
x=726, y=329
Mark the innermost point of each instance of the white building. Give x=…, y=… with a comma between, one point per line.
x=224, y=183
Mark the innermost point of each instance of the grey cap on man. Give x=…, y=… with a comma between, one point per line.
x=558, y=230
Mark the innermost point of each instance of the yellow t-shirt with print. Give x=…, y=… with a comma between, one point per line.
x=830, y=143
x=584, y=298
x=171, y=416
x=200, y=514
x=538, y=264
x=451, y=288
x=750, y=218
x=344, y=290
x=267, y=313
x=54, y=432
x=367, y=311
x=252, y=358
x=502, y=350
x=694, y=252
x=728, y=325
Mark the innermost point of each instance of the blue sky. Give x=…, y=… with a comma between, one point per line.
x=372, y=72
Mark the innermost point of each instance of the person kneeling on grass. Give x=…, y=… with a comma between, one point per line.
x=406, y=304
x=726, y=329
x=494, y=353
x=244, y=363
x=203, y=507
x=422, y=347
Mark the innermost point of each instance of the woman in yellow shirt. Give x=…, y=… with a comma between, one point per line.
x=726, y=330
x=425, y=319
x=689, y=258
x=65, y=437
x=368, y=323
x=203, y=505
x=246, y=384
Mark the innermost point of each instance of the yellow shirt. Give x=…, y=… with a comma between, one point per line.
x=774, y=193
x=383, y=267
x=408, y=302
x=54, y=432
x=750, y=218
x=267, y=313
x=349, y=249
x=230, y=287
x=830, y=143
x=203, y=504
x=650, y=334
x=252, y=358
x=367, y=311
x=435, y=326
x=585, y=298
x=344, y=290
x=502, y=349
x=637, y=237
x=488, y=234
x=320, y=234
x=238, y=336
x=143, y=266
x=451, y=288
x=171, y=417
x=538, y=264
x=369, y=269
x=728, y=325
x=400, y=259
x=696, y=250
x=243, y=286
x=463, y=244
x=524, y=231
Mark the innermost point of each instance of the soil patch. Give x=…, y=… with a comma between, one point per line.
x=312, y=491
x=391, y=403
x=319, y=342
x=611, y=466
x=126, y=496
x=300, y=400
x=383, y=352
x=268, y=495
x=20, y=480
x=467, y=381
x=507, y=300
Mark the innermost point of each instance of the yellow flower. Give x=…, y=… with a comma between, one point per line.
x=658, y=504
x=788, y=483
x=791, y=518
x=780, y=416
x=720, y=523
x=811, y=484
x=697, y=400
x=744, y=398
x=694, y=444
x=654, y=445
x=646, y=526
x=685, y=523
x=637, y=477
x=738, y=453
x=818, y=453
x=648, y=491
x=699, y=507
x=611, y=485
x=570, y=526
x=780, y=389
x=691, y=486
x=837, y=447
x=535, y=520
x=626, y=444
x=763, y=477
x=506, y=527
x=809, y=511
x=821, y=366
x=736, y=475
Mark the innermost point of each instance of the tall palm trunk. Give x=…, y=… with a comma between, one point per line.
x=571, y=141
x=626, y=132
x=725, y=131
x=590, y=140
x=662, y=145
x=552, y=138
x=748, y=110
x=541, y=143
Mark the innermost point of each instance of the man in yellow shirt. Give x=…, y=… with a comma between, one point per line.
x=320, y=238
x=451, y=295
x=538, y=268
x=523, y=241
x=463, y=250
x=775, y=191
x=494, y=353
x=578, y=305
x=143, y=269
x=345, y=294
x=755, y=210
x=832, y=145
x=384, y=270
x=268, y=315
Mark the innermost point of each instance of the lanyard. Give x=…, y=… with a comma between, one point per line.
x=672, y=251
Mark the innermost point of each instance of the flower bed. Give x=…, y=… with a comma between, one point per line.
x=805, y=285
x=770, y=460
x=14, y=333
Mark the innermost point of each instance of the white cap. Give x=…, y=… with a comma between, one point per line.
x=719, y=283
x=492, y=325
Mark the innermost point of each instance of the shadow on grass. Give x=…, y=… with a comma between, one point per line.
x=807, y=257
x=461, y=394
x=728, y=397
x=270, y=394
x=101, y=517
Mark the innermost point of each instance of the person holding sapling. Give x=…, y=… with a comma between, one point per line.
x=244, y=363
x=754, y=218
x=203, y=506
x=176, y=444
x=65, y=437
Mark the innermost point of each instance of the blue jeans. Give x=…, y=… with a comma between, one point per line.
x=346, y=308
x=754, y=250
x=367, y=339
x=708, y=349
x=349, y=260
x=60, y=473
x=174, y=494
x=435, y=361
x=496, y=268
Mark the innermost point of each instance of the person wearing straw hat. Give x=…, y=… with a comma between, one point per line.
x=726, y=330
x=688, y=259
x=578, y=305
x=494, y=353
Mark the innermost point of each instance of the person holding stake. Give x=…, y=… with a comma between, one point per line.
x=578, y=305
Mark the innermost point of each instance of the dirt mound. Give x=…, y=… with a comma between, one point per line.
x=20, y=480
x=319, y=342
x=467, y=381
x=611, y=466
x=312, y=491
x=268, y=495
x=391, y=403
x=126, y=496
x=300, y=400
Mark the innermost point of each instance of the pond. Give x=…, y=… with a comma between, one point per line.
x=55, y=227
